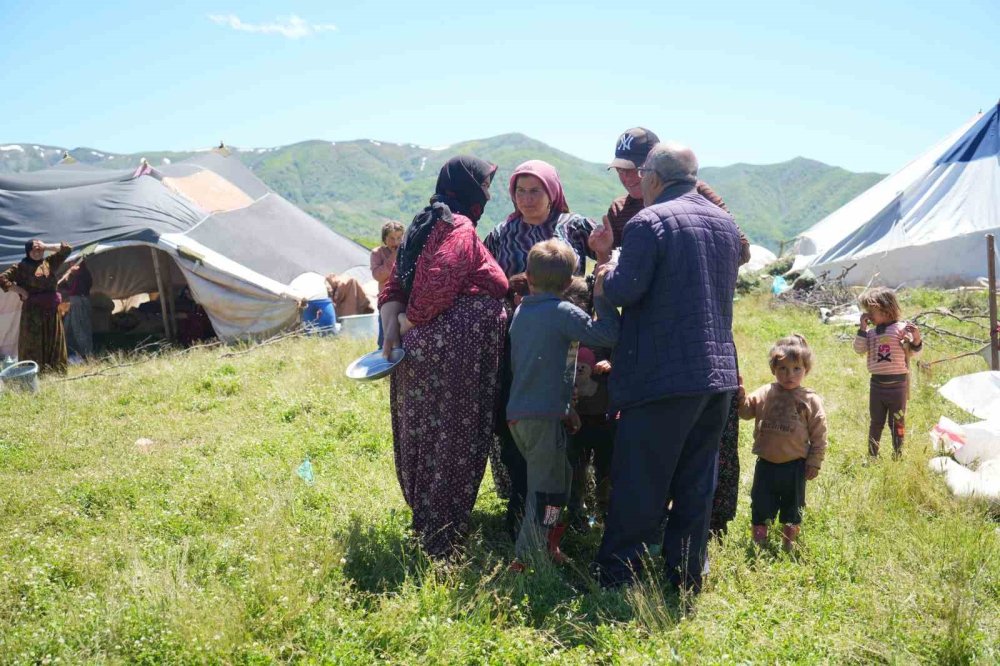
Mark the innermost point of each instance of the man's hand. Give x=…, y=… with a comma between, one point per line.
x=741, y=393
x=599, y=273
x=601, y=241
x=811, y=472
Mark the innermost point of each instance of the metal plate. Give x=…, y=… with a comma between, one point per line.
x=374, y=366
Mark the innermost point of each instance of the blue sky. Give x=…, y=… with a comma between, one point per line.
x=863, y=85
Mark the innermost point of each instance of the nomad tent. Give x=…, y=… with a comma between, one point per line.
x=207, y=223
x=924, y=224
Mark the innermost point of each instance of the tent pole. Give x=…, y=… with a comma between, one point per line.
x=159, y=287
x=168, y=286
x=991, y=264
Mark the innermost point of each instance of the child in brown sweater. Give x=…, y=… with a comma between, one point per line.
x=789, y=440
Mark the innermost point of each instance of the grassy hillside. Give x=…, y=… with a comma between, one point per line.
x=207, y=548
x=355, y=186
x=774, y=202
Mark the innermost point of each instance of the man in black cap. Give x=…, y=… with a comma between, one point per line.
x=630, y=152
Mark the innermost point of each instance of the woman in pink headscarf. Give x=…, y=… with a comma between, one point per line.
x=540, y=213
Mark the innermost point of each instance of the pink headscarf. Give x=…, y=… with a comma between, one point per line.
x=546, y=173
x=585, y=356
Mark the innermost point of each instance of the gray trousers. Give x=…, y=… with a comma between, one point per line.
x=542, y=442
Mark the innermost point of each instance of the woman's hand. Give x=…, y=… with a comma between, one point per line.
x=21, y=292
x=601, y=241
x=391, y=337
x=404, y=323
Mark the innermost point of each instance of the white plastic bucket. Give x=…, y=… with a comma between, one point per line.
x=363, y=326
x=21, y=376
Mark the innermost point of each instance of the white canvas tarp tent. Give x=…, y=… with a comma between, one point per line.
x=212, y=224
x=923, y=224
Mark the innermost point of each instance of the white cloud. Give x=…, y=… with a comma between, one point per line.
x=292, y=27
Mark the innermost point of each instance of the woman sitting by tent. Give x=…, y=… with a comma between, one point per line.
x=348, y=296
x=41, y=337
x=443, y=301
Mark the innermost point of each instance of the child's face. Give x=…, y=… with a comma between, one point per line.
x=394, y=240
x=789, y=373
x=879, y=316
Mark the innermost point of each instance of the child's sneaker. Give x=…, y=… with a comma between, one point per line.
x=517, y=567
x=759, y=534
x=788, y=535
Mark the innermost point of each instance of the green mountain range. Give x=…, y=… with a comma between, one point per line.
x=355, y=186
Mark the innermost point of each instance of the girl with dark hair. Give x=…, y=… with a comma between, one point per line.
x=41, y=337
x=443, y=303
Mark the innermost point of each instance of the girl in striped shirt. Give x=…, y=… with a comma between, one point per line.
x=889, y=343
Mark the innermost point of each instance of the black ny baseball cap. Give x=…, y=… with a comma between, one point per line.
x=632, y=148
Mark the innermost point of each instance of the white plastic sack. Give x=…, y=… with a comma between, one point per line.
x=971, y=444
x=947, y=436
x=964, y=482
x=850, y=316
x=978, y=393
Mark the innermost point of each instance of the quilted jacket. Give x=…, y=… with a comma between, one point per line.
x=675, y=282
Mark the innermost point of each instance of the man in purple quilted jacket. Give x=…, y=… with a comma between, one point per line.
x=673, y=372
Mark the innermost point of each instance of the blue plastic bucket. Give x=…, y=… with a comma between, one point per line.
x=319, y=316
x=22, y=376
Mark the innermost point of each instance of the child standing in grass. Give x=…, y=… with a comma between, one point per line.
x=593, y=442
x=888, y=345
x=383, y=258
x=544, y=337
x=789, y=439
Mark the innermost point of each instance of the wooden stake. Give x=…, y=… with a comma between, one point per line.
x=992, y=268
x=163, y=295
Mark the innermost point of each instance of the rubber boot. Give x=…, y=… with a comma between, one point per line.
x=788, y=535
x=555, y=535
x=759, y=534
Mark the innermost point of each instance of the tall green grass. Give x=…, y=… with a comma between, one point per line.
x=208, y=548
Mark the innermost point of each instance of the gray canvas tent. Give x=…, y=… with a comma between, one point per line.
x=207, y=222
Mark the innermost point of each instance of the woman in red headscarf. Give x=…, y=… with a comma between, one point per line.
x=444, y=303
x=41, y=337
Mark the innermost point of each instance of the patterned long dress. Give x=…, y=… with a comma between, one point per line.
x=41, y=337
x=728, y=485
x=442, y=399
x=443, y=393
